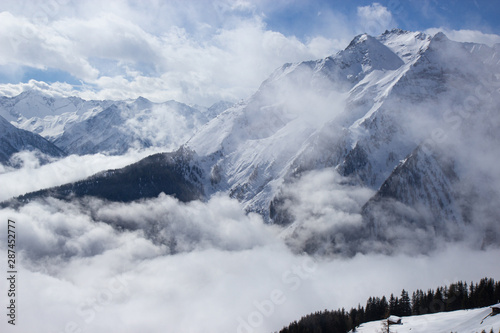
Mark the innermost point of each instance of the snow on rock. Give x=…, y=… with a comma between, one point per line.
x=136, y=124
x=14, y=140
x=301, y=105
x=47, y=115
x=360, y=111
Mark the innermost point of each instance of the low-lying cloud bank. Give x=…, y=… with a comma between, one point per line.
x=161, y=265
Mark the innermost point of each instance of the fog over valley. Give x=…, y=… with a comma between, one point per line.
x=235, y=166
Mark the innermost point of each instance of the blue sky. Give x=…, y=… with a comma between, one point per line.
x=301, y=17
x=200, y=51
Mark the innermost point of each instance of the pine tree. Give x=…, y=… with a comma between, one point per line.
x=437, y=303
x=463, y=294
x=497, y=292
x=383, y=308
x=417, y=302
x=472, y=295
x=392, y=305
x=405, y=305
x=452, y=297
x=428, y=302
x=369, y=309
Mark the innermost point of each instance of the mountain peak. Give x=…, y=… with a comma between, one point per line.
x=142, y=99
x=31, y=93
x=440, y=36
x=396, y=31
x=366, y=53
x=359, y=39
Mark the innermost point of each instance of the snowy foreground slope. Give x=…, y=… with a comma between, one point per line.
x=462, y=321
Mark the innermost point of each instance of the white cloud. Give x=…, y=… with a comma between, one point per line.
x=56, y=89
x=463, y=35
x=27, y=44
x=32, y=177
x=195, y=53
x=326, y=213
x=375, y=18
x=77, y=270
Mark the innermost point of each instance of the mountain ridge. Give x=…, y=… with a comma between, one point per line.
x=14, y=140
x=82, y=127
x=367, y=112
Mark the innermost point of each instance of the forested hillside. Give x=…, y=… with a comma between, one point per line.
x=456, y=296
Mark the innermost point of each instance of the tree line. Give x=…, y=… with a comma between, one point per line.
x=456, y=296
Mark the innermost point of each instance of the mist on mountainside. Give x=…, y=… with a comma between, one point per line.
x=357, y=172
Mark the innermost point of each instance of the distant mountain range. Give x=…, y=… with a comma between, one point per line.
x=84, y=127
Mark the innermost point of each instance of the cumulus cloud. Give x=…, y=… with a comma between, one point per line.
x=117, y=53
x=159, y=264
x=198, y=52
x=56, y=89
x=219, y=223
x=40, y=47
x=375, y=18
x=464, y=35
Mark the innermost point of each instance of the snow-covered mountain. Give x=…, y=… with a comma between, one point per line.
x=86, y=127
x=47, y=115
x=462, y=321
x=136, y=124
x=405, y=115
x=14, y=140
x=330, y=112
x=362, y=112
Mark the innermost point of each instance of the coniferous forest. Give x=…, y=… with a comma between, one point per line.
x=456, y=296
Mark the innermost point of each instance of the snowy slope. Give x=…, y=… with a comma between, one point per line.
x=40, y=113
x=86, y=127
x=412, y=184
x=135, y=124
x=14, y=140
x=462, y=321
x=35, y=103
x=362, y=112
x=304, y=110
